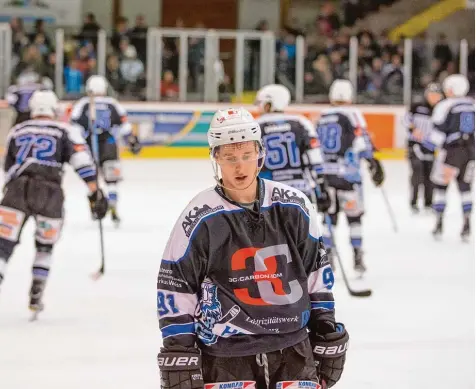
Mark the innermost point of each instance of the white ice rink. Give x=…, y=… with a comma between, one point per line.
x=416, y=331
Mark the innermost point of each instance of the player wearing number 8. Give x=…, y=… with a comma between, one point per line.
x=244, y=289
x=35, y=154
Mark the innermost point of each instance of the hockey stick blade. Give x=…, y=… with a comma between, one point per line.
x=360, y=293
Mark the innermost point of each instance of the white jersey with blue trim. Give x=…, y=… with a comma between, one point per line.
x=453, y=120
x=291, y=146
x=111, y=117
x=240, y=282
x=342, y=132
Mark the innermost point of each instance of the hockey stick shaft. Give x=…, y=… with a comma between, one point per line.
x=352, y=292
x=95, y=150
x=390, y=210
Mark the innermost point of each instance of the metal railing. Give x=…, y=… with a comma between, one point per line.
x=267, y=62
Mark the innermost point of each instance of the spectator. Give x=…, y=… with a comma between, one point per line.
x=19, y=37
x=113, y=74
x=442, y=51
x=139, y=37
x=39, y=30
x=392, y=84
x=121, y=33
x=376, y=77
x=318, y=80
x=168, y=88
x=32, y=62
x=85, y=64
x=132, y=69
x=339, y=68
x=328, y=14
x=41, y=45
x=90, y=29
x=51, y=64
x=196, y=54
x=73, y=78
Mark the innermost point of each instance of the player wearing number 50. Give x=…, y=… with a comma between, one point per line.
x=111, y=121
x=244, y=287
x=35, y=153
x=342, y=131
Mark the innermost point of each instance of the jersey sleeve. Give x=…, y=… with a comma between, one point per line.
x=319, y=272
x=78, y=155
x=310, y=146
x=439, y=119
x=120, y=119
x=178, y=283
x=78, y=115
x=9, y=161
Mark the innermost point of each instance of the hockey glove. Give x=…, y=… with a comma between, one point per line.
x=376, y=172
x=180, y=370
x=134, y=144
x=98, y=203
x=329, y=348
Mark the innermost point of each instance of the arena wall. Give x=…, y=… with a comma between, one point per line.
x=178, y=130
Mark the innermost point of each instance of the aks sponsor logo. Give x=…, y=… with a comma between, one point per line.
x=288, y=196
x=195, y=215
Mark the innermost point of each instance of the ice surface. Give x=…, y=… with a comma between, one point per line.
x=416, y=331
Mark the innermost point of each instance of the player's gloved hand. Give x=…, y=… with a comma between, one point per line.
x=323, y=200
x=180, y=369
x=329, y=346
x=98, y=203
x=134, y=144
x=376, y=171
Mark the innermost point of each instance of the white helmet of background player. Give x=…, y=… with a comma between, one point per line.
x=456, y=85
x=273, y=98
x=97, y=86
x=341, y=91
x=230, y=126
x=43, y=103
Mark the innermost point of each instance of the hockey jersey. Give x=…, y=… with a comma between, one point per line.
x=241, y=282
x=291, y=146
x=18, y=97
x=111, y=117
x=41, y=147
x=453, y=119
x=419, y=116
x=342, y=132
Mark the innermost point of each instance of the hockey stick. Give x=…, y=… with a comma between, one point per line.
x=327, y=218
x=389, y=209
x=352, y=292
x=95, y=150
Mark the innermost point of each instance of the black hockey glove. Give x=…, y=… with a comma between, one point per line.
x=180, y=370
x=376, y=171
x=329, y=348
x=134, y=144
x=98, y=203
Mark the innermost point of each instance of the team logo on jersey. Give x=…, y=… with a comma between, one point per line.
x=232, y=385
x=195, y=215
x=268, y=280
x=297, y=385
x=288, y=196
x=209, y=315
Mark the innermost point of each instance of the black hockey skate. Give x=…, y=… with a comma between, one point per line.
x=36, y=293
x=438, y=231
x=359, y=265
x=414, y=208
x=466, y=232
x=115, y=217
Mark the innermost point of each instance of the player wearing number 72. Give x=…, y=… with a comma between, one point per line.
x=244, y=290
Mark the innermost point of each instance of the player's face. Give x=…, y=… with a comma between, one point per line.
x=238, y=163
x=434, y=97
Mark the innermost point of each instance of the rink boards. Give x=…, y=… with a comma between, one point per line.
x=178, y=130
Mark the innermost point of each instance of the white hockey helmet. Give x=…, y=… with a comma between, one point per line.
x=43, y=103
x=278, y=96
x=341, y=90
x=96, y=85
x=456, y=85
x=233, y=125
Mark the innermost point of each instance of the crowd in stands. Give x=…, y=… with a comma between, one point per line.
x=380, y=61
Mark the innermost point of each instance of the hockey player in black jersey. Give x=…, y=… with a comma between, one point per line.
x=111, y=123
x=293, y=156
x=421, y=154
x=342, y=131
x=453, y=121
x=36, y=151
x=244, y=291
x=19, y=95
